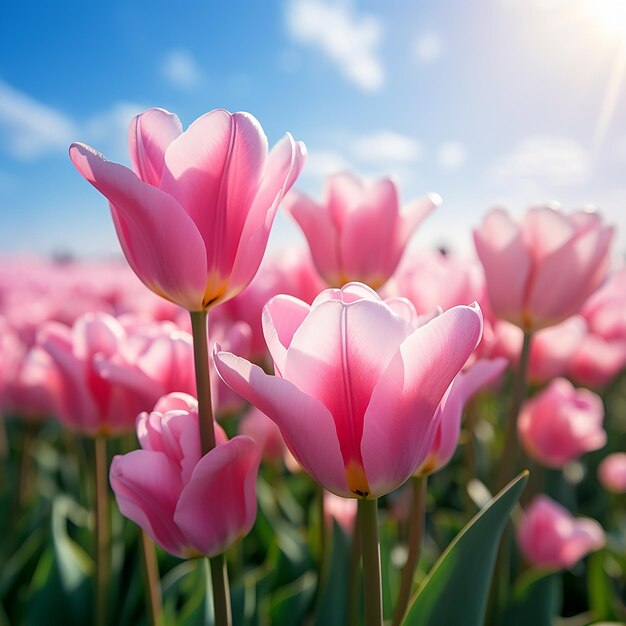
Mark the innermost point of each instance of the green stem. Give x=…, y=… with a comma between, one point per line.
x=510, y=453
x=417, y=518
x=103, y=531
x=370, y=550
x=219, y=575
x=221, y=593
x=151, y=580
x=203, y=385
x=353, y=577
x=501, y=587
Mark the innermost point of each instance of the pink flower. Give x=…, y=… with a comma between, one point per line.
x=191, y=505
x=561, y=423
x=107, y=376
x=552, y=349
x=357, y=386
x=342, y=510
x=358, y=232
x=601, y=356
x=540, y=271
x=550, y=537
x=612, y=472
x=265, y=433
x=431, y=279
x=194, y=217
x=464, y=386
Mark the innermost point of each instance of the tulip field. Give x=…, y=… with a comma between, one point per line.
x=356, y=432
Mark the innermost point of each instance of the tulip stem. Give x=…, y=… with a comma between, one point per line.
x=417, y=518
x=370, y=550
x=199, y=323
x=221, y=592
x=219, y=575
x=510, y=454
x=151, y=579
x=103, y=530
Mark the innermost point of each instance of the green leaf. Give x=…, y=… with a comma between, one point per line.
x=456, y=589
x=291, y=602
x=537, y=599
x=332, y=608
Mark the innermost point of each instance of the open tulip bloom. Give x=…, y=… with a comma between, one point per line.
x=357, y=385
x=194, y=214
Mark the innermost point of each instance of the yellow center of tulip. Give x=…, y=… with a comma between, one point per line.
x=356, y=479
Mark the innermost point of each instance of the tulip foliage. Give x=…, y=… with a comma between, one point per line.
x=353, y=432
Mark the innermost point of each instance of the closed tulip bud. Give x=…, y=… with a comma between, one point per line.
x=191, y=505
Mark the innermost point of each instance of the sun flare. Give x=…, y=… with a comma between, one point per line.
x=608, y=15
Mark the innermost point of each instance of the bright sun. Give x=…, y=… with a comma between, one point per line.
x=609, y=15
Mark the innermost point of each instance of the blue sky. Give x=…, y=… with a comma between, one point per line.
x=484, y=102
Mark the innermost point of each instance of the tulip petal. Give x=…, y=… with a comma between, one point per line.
x=218, y=505
x=146, y=486
x=305, y=423
x=149, y=135
x=214, y=169
x=160, y=241
x=368, y=238
x=413, y=214
x=320, y=232
x=507, y=264
x=335, y=357
x=399, y=423
x=568, y=276
x=282, y=316
x=284, y=164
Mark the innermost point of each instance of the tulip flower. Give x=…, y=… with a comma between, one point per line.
x=108, y=375
x=191, y=505
x=265, y=433
x=550, y=537
x=357, y=386
x=358, y=232
x=612, y=472
x=561, y=423
x=540, y=271
x=464, y=386
x=194, y=216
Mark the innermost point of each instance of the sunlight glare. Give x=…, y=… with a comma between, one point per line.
x=609, y=15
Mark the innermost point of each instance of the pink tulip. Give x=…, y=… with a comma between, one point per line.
x=342, y=510
x=601, y=356
x=107, y=376
x=559, y=424
x=290, y=273
x=191, y=505
x=431, y=279
x=194, y=217
x=550, y=537
x=357, y=386
x=464, y=386
x=265, y=433
x=540, y=271
x=612, y=472
x=358, y=232
x=552, y=349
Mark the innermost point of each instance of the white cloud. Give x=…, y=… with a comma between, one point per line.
x=451, y=155
x=386, y=146
x=428, y=48
x=554, y=161
x=323, y=163
x=181, y=69
x=350, y=39
x=31, y=129
x=108, y=130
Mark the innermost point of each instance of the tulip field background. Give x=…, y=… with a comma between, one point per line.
x=354, y=353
